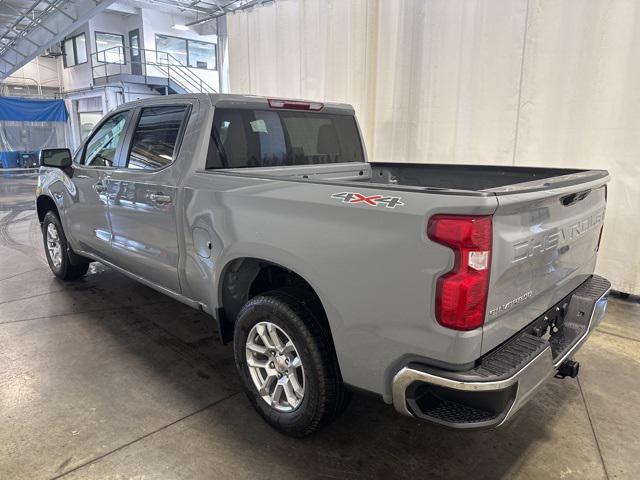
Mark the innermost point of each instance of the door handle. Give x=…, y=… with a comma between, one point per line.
x=99, y=187
x=160, y=198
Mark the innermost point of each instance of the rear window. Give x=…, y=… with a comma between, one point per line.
x=267, y=138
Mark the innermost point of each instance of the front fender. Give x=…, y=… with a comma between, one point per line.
x=56, y=185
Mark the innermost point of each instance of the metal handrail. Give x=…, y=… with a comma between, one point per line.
x=175, y=70
x=7, y=86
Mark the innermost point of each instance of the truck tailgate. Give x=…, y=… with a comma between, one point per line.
x=544, y=246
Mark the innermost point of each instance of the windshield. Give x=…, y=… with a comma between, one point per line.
x=243, y=138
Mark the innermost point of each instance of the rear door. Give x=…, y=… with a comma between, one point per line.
x=544, y=246
x=143, y=195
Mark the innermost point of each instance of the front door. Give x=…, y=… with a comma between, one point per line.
x=87, y=214
x=144, y=198
x=135, y=52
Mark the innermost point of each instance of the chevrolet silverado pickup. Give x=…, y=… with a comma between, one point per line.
x=451, y=291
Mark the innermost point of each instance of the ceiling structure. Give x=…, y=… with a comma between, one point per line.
x=29, y=27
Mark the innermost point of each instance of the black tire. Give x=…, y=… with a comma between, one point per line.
x=298, y=313
x=67, y=269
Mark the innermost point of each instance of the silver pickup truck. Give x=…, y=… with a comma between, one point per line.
x=451, y=291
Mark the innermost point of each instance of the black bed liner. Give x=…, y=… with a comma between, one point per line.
x=486, y=178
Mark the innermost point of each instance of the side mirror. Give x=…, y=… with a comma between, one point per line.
x=55, y=157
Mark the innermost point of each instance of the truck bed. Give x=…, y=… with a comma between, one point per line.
x=461, y=177
x=440, y=178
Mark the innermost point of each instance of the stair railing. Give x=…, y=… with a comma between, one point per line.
x=112, y=61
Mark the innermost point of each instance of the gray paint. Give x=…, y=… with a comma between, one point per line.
x=373, y=268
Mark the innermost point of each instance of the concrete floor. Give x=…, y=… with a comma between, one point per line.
x=105, y=378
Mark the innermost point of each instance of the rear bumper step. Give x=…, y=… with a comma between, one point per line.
x=489, y=394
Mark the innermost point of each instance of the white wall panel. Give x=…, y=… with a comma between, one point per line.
x=524, y=82
x=580, y=107
x=447, y=80
x=307, y=48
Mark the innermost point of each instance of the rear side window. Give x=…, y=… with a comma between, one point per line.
x=243, y=138
x=154, y=141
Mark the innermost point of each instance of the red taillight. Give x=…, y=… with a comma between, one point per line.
x=461, y=294
x=294, y=104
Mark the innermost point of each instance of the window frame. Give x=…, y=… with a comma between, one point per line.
x=123, y=163
x=123, y=136
x=124, y=46
x=187, y=41
x=75, y=50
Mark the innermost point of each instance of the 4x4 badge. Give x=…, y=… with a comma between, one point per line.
x=371, y=200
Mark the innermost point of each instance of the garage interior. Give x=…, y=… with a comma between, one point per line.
x=106, y=378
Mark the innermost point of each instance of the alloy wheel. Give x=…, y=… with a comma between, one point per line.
x=275, y=367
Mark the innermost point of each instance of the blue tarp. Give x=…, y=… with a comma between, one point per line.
x=16, y=109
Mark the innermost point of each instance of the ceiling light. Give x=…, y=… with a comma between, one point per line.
x=179, y=26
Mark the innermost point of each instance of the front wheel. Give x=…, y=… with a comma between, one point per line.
x=285, y=357
x=57, y=250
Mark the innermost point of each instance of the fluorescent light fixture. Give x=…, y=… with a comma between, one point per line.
x=179, y=26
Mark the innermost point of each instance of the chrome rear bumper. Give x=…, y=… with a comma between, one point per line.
x=503, y=381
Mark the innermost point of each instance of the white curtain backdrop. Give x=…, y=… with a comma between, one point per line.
x=522, y=82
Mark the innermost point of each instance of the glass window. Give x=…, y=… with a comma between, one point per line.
x=202, y=55
x=171, y=50
x=69, y=53
x=154, y=141
x=135, y=45
x=88, y=120
x=110, y=47
x=74, y=50
x=101, y=148
x=268, y=138
x=81, y=48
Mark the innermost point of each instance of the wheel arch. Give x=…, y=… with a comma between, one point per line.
x=243, y=278
x=44, y=204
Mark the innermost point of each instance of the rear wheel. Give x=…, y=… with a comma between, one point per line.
x=57, y=251
x=285, y=357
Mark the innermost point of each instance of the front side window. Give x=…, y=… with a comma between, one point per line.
x=110, y=48
x=268, y=138
x=74, y=50
x=88, y=120
x=154, y=141
x=101, y=148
